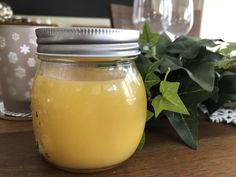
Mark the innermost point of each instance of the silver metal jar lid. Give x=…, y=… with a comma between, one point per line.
x=87, y=42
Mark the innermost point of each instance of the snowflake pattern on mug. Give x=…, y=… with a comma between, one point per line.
x=12, y=57
x=20, y=72
x=31, y=62
x=15, y=36
x=2, y=42
x=24, y=49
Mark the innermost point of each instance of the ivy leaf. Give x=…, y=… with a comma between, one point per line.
x=147, y=38
x=203, y=73
x=141, y=143
x=170, y=62
x=148, y=42
x=189, y=48
x=215, y=102
x=229, y=60
x=151, y=78
x=208, y=56
x=185, y=47
x=169, y=100
x=142, y=64
x=185, y=126
x=201, y=69
x=228, y=50
x=149, y=115
x=208, y=42
x=192, y=94
x=148, y=74
x=163, y=43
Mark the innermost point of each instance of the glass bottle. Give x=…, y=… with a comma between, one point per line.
x=88, y=98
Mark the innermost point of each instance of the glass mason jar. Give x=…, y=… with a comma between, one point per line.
x=88, y=98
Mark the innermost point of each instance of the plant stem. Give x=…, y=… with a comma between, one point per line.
x=167, y=73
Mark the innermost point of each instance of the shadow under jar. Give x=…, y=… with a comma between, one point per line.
x=88, y=98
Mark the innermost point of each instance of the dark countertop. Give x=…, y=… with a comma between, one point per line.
x=164, y=154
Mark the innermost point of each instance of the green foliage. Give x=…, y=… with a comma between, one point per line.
x=186, y=127
x=141, y=143
x=149, y=115
x=148, y=41
x=226, y=51
x=148, y=38
x=198, y=75
x=168, y=98
x=150, y=78
x=229, y=62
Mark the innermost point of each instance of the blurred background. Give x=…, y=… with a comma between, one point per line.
x=215, y=21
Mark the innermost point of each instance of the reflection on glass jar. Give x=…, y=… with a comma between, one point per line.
x=88, y=112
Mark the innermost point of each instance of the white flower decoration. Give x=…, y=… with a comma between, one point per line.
x=27, y=94
x=12, y=56
x=12, y=91
x=2, y=42
x=224, y=115
x=15, y=36
x=30, y=83
x=20, y=72
x=24, y=49
x=31, y=62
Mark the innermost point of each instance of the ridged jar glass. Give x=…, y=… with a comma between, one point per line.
x=88, y=98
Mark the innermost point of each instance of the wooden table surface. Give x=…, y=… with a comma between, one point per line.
x=164, y=154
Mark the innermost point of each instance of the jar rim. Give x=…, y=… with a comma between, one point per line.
x=76, y=58
x=88, y=42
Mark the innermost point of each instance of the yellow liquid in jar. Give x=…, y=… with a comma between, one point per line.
x=88, y=124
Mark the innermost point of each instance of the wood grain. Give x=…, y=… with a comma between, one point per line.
x=8, y=126
x=163, y=155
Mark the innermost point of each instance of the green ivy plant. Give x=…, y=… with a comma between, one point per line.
x=180, y=76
